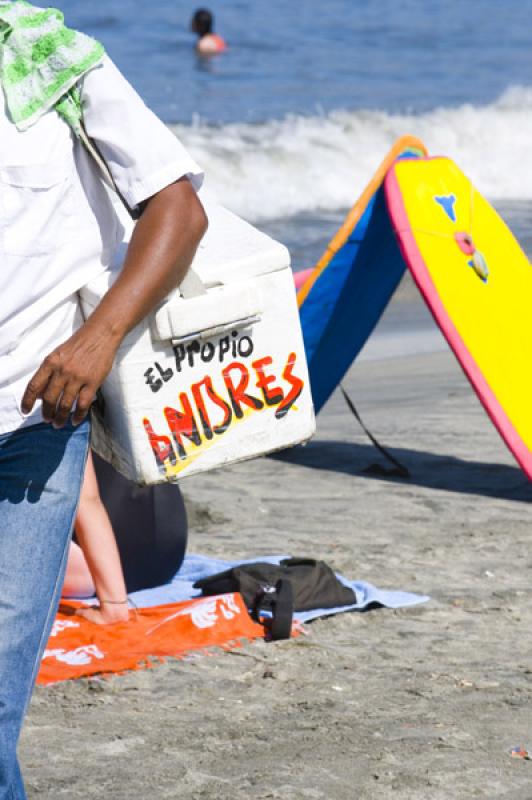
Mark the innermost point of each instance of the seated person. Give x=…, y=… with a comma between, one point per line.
x=208, y=42
x=127, y=538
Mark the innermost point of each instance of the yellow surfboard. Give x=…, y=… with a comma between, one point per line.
x=477, y=282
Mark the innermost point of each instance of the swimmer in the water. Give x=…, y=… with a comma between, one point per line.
x=208, y=43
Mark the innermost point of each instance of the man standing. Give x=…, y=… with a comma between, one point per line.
x=58, y=230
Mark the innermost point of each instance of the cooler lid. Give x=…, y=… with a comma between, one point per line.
x=232, y=250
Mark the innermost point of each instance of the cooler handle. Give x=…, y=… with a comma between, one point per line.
x=220, y=309
x=192, y=285
x=218, y=330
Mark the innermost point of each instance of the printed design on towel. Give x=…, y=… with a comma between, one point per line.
x=80, y=656
x=236, y=383
x=204, y=613
x=61, y=625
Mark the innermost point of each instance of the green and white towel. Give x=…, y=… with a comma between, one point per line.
x=41, y=61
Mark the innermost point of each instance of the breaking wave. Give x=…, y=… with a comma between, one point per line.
x=297, y=164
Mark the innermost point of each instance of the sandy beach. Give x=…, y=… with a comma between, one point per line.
x=420, y=703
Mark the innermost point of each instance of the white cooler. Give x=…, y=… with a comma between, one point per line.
x=213, y=378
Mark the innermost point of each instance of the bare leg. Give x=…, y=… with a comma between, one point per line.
x=96, y=539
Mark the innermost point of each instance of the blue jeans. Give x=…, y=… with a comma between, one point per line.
x=41, y=470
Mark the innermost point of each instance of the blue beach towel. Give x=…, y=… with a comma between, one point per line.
x=195, y=567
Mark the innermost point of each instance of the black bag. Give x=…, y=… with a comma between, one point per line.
x=296, y=584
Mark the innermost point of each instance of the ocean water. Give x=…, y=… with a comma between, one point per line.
x=292, y=121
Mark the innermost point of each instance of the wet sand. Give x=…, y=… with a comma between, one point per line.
x=418, y=704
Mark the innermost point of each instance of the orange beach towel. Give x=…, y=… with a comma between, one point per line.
x=78, y=648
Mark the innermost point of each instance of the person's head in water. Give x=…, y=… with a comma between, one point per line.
x=202, y=22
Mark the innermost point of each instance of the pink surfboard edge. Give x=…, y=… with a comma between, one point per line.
x=421, y=275
x=301, y=277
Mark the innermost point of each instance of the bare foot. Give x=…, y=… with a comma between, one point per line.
x=105, y=614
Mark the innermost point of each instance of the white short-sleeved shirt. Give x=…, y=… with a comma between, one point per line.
x=58, y=225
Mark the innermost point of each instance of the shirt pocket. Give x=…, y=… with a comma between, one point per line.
x=36, y=203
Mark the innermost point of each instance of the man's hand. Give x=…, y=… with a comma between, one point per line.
x=161, y=249
x=70, y=376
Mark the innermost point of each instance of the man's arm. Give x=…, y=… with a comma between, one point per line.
x=161, y=249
